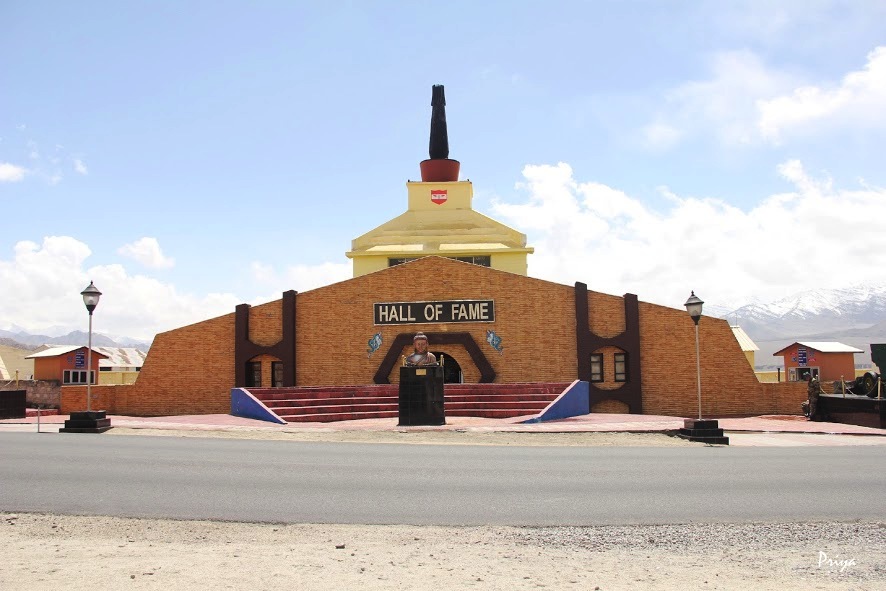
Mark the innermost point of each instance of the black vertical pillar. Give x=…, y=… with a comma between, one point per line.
x=241, y=340
x=289, y=331
x=632, y=347
x=582, y=333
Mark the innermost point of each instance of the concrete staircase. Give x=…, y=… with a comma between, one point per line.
x=325, y=404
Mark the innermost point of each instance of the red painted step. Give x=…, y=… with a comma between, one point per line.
x=345, y=403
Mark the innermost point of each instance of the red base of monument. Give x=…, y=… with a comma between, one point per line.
x=439, y=170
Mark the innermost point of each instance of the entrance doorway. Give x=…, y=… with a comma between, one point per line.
x=253, y=374
x=277, y=374
x=451, y=369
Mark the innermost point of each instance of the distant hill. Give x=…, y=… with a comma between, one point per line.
x=24, y=340
x=13, y=344
x=12, y=359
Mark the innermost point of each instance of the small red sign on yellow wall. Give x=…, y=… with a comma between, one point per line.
x=438, y=196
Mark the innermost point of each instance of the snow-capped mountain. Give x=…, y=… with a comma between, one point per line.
x=813, y=312
x=855, y=316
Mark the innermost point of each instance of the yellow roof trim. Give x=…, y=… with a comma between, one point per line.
x=396, y=248
x=473, y=246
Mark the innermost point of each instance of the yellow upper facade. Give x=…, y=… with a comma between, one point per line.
x=440, y=221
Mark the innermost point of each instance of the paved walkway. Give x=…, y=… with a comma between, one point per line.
x=774, y=430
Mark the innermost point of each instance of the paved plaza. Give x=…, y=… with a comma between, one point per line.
x=770, y=430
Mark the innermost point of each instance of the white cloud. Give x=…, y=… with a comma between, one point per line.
x=10, y=173
x=857, y=101
x=744, y=102
x=806, y=238
x=40, y=287
x=724, y=105
x=147, y=252
x=80, y=167
x=297, y=277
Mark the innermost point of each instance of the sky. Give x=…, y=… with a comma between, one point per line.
x=191, y=156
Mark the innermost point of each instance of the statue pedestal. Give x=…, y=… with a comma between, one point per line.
x=95, y=421
x=421, y=396
x=704, y=431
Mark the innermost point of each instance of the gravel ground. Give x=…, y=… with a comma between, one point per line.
x=81, y=552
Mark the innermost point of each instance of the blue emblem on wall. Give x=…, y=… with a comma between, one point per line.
x=374, y=344
x=494, y=340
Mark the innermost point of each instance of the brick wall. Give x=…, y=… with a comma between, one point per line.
x=612, y=407
x=729, y=385
x=73, y=398
x=190, y=370
x=45, y=393
x=266, y=324
x=785, y=397
x=606, y=314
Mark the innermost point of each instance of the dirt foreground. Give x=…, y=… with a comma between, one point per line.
x=78, y=552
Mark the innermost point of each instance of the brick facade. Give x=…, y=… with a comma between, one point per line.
x=190, y=370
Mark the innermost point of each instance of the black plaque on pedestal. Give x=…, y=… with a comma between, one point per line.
x=421, y=395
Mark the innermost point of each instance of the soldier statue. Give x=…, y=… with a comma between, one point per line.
x=810, y=406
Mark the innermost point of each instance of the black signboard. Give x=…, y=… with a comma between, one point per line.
x=79, y=359
x=427, y=312
x=801, y=356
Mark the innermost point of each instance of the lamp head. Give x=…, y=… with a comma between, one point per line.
x=91, y=296
x=693, y=306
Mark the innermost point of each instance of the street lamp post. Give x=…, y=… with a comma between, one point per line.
x=693, y=306
x=91, y=296
x=88, y=421
x=705, y=431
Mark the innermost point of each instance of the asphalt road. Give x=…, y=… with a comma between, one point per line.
x=297, y=482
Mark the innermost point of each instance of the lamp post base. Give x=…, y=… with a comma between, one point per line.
x=703, y=430
x=91, y=421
